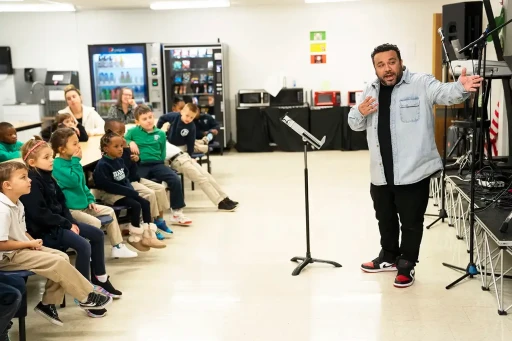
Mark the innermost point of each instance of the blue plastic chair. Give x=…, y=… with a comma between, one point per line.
x=105, y=219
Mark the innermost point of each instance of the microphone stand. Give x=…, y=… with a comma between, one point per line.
x=316, y=144
x=442, y=212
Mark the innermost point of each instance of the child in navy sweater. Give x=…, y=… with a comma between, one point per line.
x=154, y=192
x=48, y=218
x=112, y=176
x=182, y=130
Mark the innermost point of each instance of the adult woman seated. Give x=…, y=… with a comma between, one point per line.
x=123, y=109
x=87, y=116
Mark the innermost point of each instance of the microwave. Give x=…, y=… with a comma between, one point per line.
x=288, y=97
x=327, y=98
x=253, y=98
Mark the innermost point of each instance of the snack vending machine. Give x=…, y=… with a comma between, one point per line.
x=199, y=72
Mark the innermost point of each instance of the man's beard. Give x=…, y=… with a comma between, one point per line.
x=394, y=81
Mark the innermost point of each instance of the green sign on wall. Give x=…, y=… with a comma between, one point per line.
x=317, y=35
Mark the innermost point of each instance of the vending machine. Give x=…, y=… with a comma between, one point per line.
x=134, y=66
x=199, y=72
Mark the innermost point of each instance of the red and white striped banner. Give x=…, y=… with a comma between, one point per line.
x=493, y=130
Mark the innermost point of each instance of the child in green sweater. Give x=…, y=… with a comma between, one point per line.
x=10, y=147
x=70, y=176
x=149, y=143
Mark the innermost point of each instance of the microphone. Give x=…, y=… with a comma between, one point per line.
x=441, y=33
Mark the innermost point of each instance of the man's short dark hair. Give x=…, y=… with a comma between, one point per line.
x=385, y=48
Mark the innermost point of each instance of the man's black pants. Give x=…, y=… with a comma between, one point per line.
x=409, y=202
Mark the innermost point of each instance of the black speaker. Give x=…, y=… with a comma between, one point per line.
x=5, y=60
x=463, y=22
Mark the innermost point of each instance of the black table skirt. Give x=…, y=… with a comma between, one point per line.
x=328, y=122
x=258, y=127
x=252, y=130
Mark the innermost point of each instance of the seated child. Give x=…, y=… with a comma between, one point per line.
x=206, y=130
x=65, y=121
x=48, y=218
x=182, y=130
x=19, y=251
x=10, y=147
x=154, y=192
x=183, y=163
x=148, y=142
x=177, y=104
x=112, y=176
x=70, y=176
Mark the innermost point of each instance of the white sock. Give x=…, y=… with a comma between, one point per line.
x=102, y=278
x=178, y=212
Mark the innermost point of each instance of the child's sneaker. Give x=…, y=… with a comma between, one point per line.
x=93, y=313
x=227, y=206
x=95, y=301
x=405, y=276
x=106, y=288
x=159, y=236
x=178, y=218
x=121, y=251
x=49, y=312
x=162, y=226
x=232, y=201
x=96, y=313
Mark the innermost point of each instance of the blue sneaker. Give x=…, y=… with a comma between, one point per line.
x=162, y=226
x=159, y=236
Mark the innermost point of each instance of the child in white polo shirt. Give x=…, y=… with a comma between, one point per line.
x=19, y=251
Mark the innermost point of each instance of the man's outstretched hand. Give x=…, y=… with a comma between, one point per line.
x=470, y=83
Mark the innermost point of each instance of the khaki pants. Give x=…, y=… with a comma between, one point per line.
x=200, y=176
x=88, y=216
x=200, y=147
x=155, y=194
x=54, y=265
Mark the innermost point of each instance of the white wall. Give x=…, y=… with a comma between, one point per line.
x=7, y=93
x=262, y=40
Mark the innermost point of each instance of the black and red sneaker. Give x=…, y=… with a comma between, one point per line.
x=405, y=276
x=378, y=265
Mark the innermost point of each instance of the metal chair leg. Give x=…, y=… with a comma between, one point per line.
x=182, y=185
x=23, y=334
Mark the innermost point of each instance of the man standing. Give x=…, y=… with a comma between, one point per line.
x=397, y=114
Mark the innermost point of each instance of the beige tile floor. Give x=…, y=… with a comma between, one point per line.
x=228, y=277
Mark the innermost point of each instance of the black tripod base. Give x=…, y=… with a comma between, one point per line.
x=470, y=271
x=442, y=216
x=308, y=260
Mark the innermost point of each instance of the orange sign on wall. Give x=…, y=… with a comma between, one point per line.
x=318, y=59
